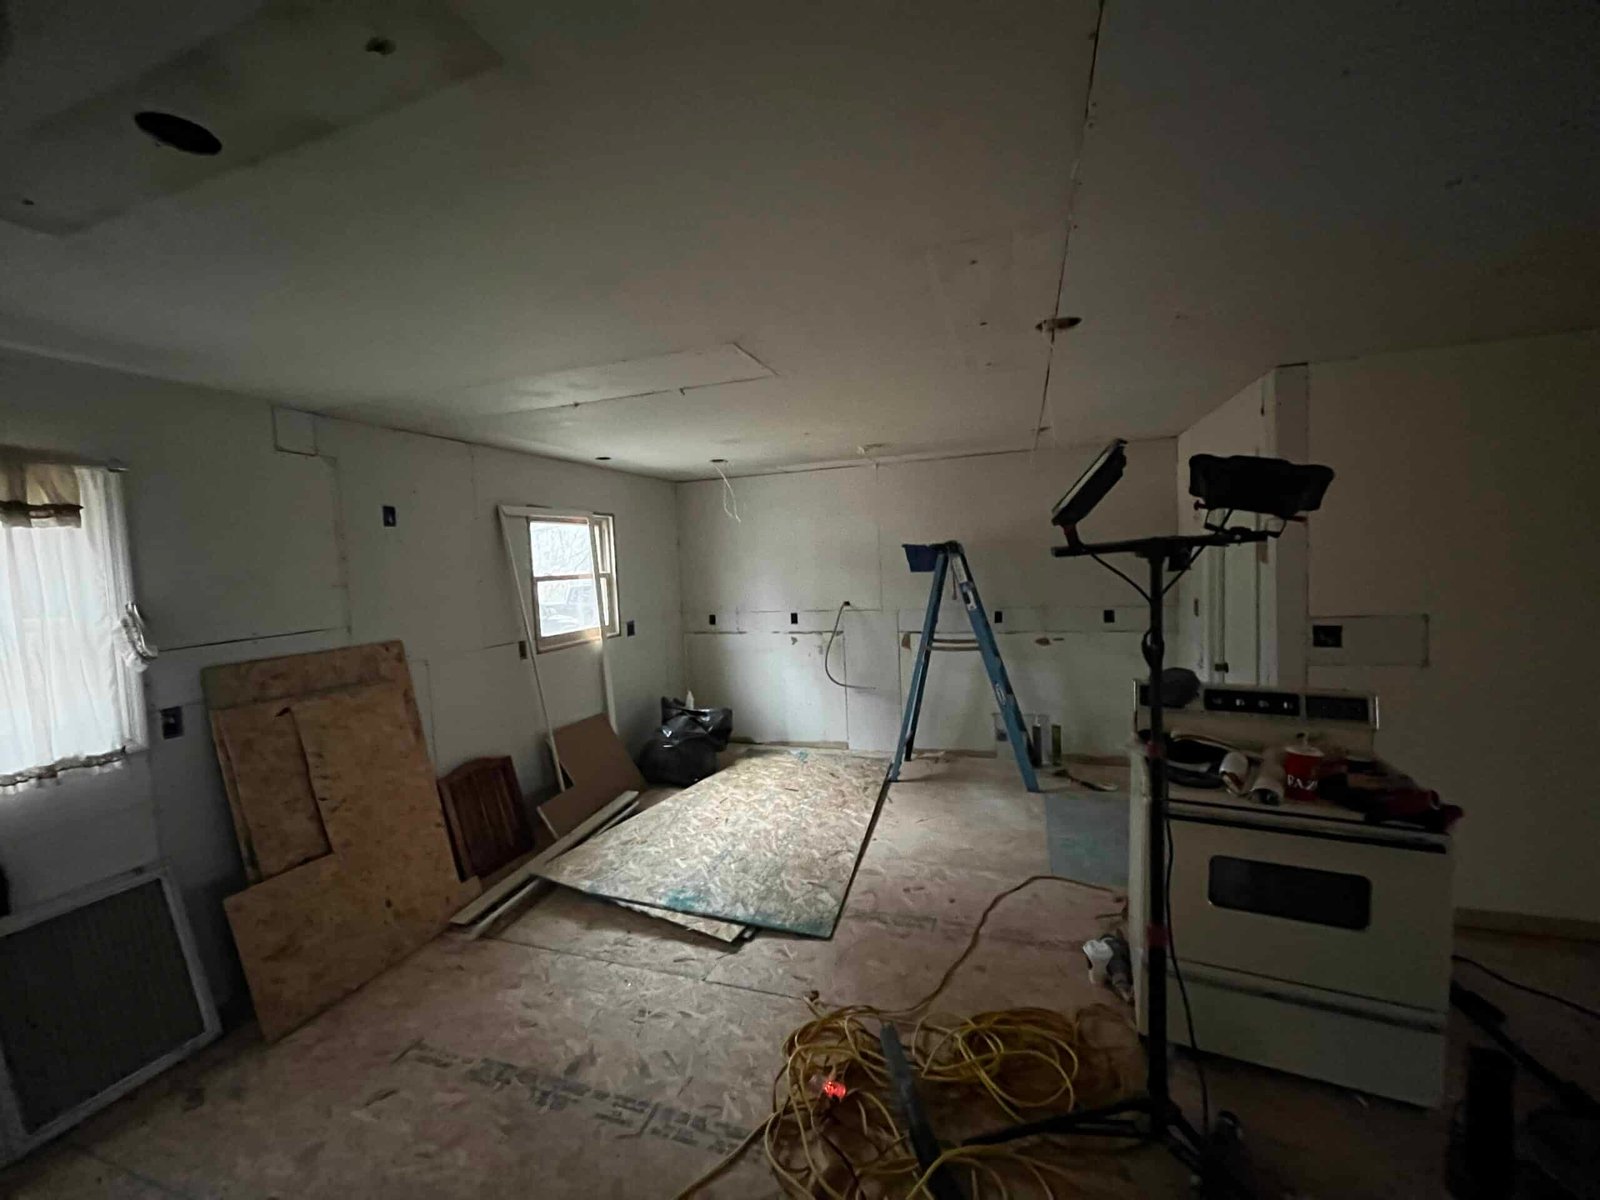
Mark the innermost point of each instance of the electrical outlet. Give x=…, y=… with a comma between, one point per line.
x=1109, y=616
x=389, y=517
x=171, y=723
x=999, y=617
x=794, y=618
x=630, y=628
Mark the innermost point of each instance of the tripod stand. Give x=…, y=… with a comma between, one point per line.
x=1153, y=1115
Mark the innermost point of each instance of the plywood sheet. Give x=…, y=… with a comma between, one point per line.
x=771, y=841
x=314, y=933
x=233, y=684
x=723, y=931
x=274, y=810
x=275, y=817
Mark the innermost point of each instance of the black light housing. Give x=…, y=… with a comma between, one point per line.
x=1244, y=483
x=1098, y=479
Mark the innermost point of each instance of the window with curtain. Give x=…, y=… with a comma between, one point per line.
x=71, y=643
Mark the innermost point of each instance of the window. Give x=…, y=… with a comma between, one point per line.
x=571, y=556
x=71, y=644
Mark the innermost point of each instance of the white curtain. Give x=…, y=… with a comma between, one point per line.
x=71, y=649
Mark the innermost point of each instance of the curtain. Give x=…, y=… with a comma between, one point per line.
x=71, y=643
x=38, y=494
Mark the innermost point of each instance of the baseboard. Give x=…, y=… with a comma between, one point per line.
x=1570, y=928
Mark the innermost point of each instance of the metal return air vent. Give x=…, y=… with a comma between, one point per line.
x=95, y=997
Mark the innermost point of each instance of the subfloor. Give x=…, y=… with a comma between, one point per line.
x=587, y=1051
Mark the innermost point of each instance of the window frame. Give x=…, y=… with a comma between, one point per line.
x=602, y=541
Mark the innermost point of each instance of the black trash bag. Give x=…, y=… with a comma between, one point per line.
x=683, y=750
x=718, y=722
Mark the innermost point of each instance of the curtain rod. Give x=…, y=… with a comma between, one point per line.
x=23, y=454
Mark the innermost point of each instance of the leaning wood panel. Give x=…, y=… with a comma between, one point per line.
x=312, y=934
x=483, y=806
x=593, y=756
x=773, y=841
x=375, y=787
x=275, y=811
x=292, y=675
x=308, y=938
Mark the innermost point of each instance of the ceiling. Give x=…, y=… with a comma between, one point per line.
x=858, y=209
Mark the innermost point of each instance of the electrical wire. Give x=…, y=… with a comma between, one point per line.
x=1074, y=181
x=830, y=1119
x=827, y=652
x=1183, y=994
x=1527, y=987
x=728, y=495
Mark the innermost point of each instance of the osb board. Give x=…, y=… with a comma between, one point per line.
x=723, y=931
x=770, y=841
x=233, y=684
x=284, y=821
x=308, y=938
x=592, y=756
x=274, y=810
x=313, y=934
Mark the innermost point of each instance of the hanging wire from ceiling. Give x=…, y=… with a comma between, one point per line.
x=1055, y=323
x=730, y=502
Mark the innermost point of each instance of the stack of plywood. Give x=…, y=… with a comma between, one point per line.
x=338, y=820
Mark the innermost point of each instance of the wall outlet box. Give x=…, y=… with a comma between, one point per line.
x=171, y=723
x=389, y=517
x=630, y=628
x=1398, y=640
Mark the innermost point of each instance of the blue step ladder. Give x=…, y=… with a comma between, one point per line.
x=942, y=558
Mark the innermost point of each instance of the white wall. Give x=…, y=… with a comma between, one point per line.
x=806, y=541
x=243, y=551
x=1245, y=605
x=1467, y=490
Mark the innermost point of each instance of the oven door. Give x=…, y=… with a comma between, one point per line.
x=1367, y=914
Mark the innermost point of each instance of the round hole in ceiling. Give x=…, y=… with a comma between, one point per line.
x=180, y=133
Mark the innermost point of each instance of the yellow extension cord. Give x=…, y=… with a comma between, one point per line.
x=804, y=1138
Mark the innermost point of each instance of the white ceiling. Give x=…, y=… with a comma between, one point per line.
x=868, y=199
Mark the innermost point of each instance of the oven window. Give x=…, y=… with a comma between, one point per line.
x=1298, y=893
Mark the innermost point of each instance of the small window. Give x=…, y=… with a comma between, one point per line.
x=572, y=556
x=71, y=643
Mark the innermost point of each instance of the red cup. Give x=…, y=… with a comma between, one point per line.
x=1302, y=771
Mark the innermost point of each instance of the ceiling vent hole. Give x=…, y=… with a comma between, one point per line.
x=180, y=133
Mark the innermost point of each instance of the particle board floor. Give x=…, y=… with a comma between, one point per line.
x=588, y=1051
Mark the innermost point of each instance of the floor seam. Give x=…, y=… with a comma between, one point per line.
x=634, y=966
x=164, y=1188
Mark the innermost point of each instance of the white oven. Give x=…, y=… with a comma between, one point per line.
x=1309, y=940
